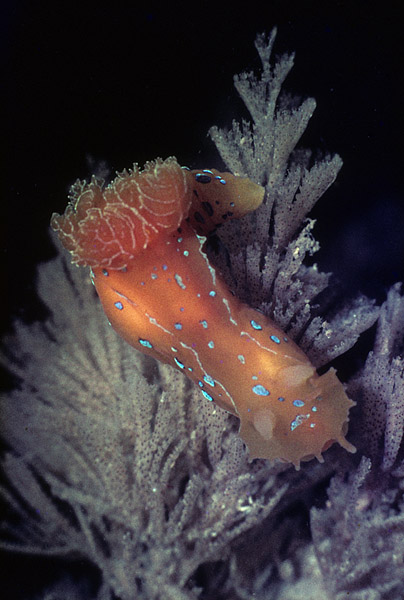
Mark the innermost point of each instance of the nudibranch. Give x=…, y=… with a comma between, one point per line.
x=143, y=236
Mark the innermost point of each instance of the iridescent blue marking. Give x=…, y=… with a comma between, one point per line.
x=298, y=403
x=312, y=425
x=190, y=369
x=200, y=383
x=153, y=276
x=207, y=171
x=202, y=178
x=145, y=343
x=186, y=253
x=179, y=281
x=178, y=363
x=178, y=326
x=118, y=305
x=207, y=396
x=182, y=309
x=260, y=390
x=295, y=423
x=231, y=203
x=254, y=377
x=165, y=267
x=179, y=240
x=142, y=283
x=314, y=408
x=174, y=349
x=212, y=293
x=211, y=344
x=241, y=359
x=222, y=181
x=275, y=339
x=209, y=380
x=285, y=339
x=281, y=399
x=204, y=324
x=298, y=421
x=105, y=272
x=255, y=325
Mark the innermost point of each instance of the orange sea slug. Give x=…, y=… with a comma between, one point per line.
x=143, y=237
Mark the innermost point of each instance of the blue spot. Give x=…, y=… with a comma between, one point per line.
x=165, y=267
x=190, y=369
x=153, y=276
x=178, y=279
x=142, y=283
x=285, y=339
x=179, y=240
x=222, y=181
x=186, y=253
x=118, y=305
x=211, y=344
x=207, y=396
x=254, y=377
x=314, y=408
x=182, y=309
x=200, y=383
x=145, y=343
x=298, y=421
x=178, y=326
x=298, y=403
x=207, y=171
x=105, y=272
x=231, y=203
x=174, y=349
x=255, y=325
x=295, y=424
x=275, y=339
x=204, y=324
x=312, y=425
x=202, y=178
x=241, y=359
x=260, y=390
x=212, y=293
x=178, y=363
x=281, y=399
x=209, y=380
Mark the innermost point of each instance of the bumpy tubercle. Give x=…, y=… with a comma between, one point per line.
x=162, y=295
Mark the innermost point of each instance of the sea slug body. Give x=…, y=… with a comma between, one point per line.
x=143, y=237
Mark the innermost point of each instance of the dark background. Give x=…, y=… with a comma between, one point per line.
x=124, y=82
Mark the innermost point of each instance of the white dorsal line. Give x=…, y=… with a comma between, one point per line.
x=206, y=373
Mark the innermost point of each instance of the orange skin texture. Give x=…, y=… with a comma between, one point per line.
x=161, y=294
